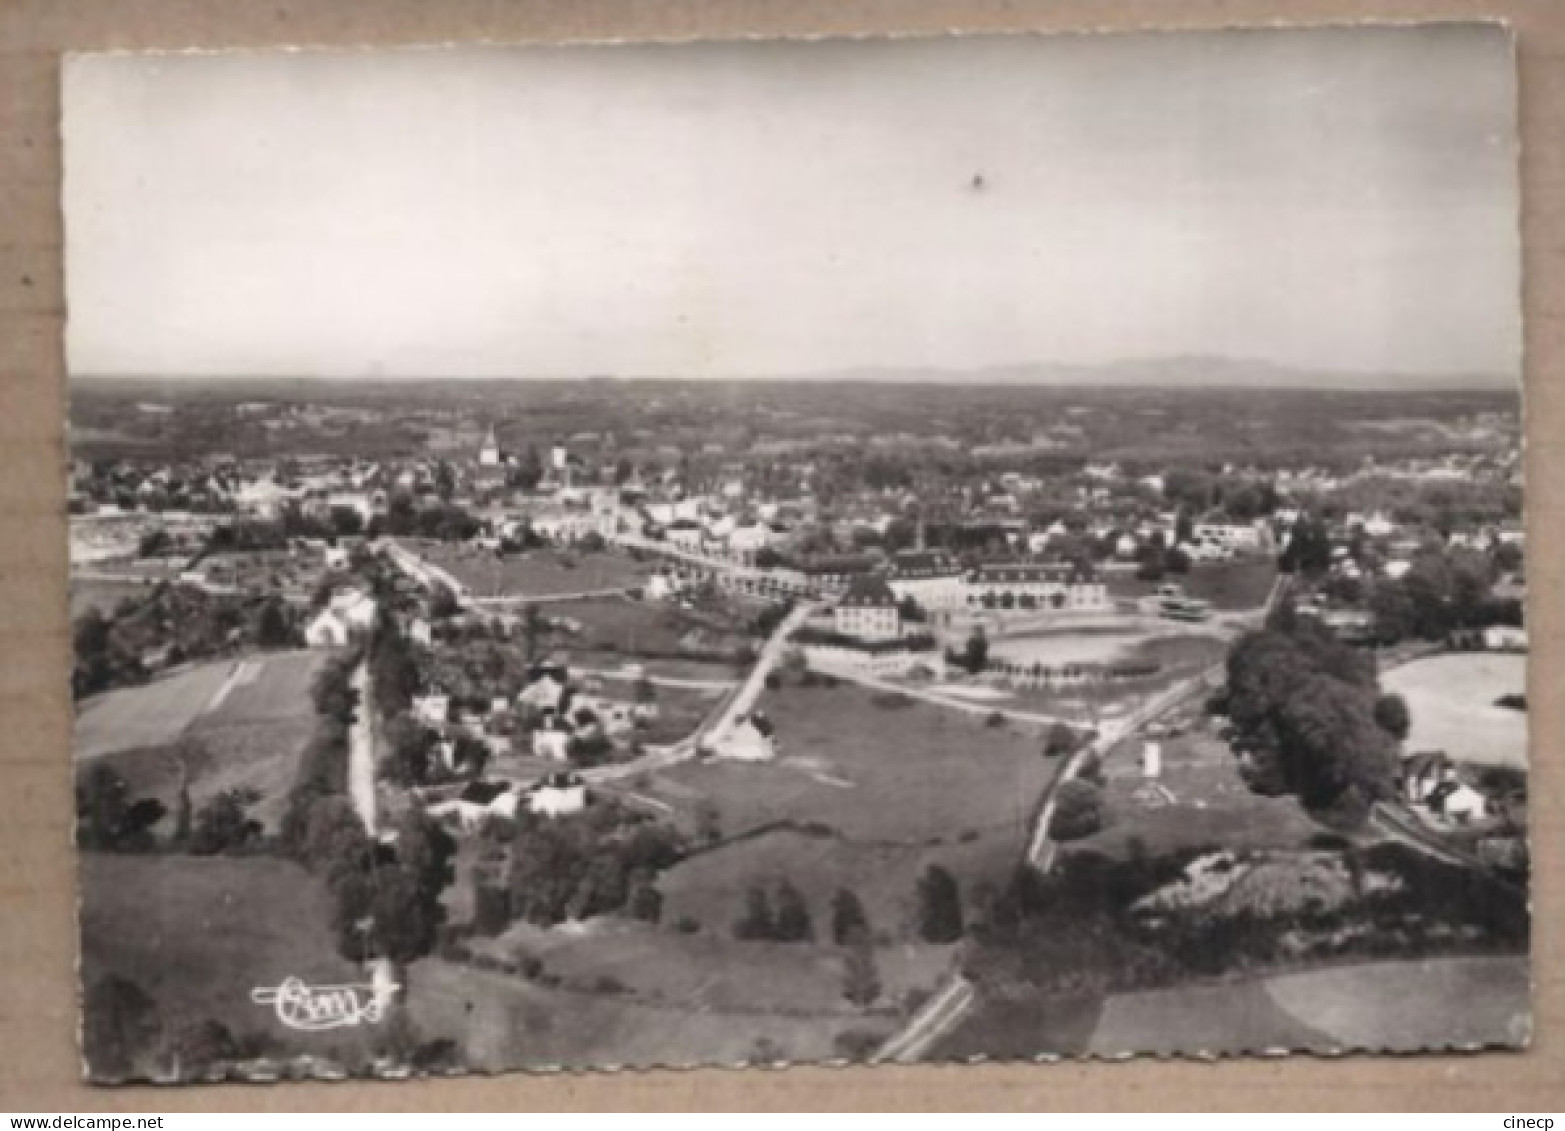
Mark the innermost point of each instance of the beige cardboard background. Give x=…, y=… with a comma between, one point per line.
x=38, y=1059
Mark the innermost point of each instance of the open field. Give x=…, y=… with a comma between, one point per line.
x=535, y=573
x=1452, y=697
x=1415, y=1005
x=236, y=724
x=154, y=714
x=1229, y=586
x=196, y=934
x=709, y=972
x=909, y=774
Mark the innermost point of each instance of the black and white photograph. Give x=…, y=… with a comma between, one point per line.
x=795, y=551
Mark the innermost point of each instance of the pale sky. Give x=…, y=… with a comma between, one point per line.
x=1341, y=199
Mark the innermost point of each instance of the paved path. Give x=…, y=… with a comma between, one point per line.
x=361, y=751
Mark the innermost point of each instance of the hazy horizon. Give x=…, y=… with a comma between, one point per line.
x=1323, y=205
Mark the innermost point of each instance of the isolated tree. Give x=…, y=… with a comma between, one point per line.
x=939, y=906
x=849, y=925
x=1392, y=716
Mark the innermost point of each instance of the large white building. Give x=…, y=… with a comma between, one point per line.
x=868, y=610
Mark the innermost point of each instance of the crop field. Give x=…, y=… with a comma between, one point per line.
x=535, y=573
x=236, y=724
x=1451, y=699
x=196, y=934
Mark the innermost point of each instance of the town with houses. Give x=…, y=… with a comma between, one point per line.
x=764, y=733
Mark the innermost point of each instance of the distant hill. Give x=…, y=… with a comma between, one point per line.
x=1190, y=372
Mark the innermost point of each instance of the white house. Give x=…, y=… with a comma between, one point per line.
x=868, y=610
x=750, y=740
x=1505, y=638
x=328, y=630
